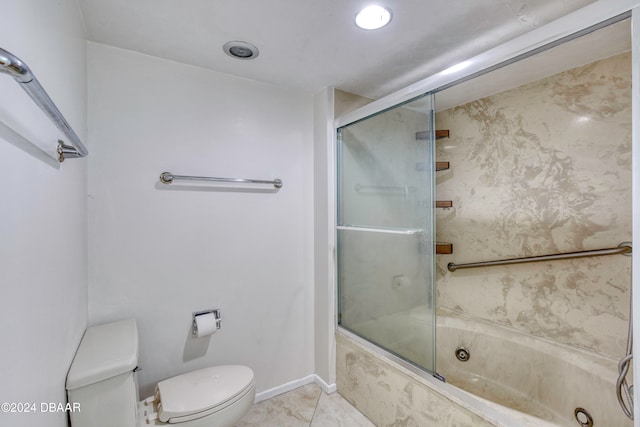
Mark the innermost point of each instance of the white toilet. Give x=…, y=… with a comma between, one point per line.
x=103, y=381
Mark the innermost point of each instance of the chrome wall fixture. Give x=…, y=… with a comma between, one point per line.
x=217, y=313
x=13, y=66
x=168, y=178
x=622, y=248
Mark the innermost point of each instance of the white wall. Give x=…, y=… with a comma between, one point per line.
x=158, y=252
x=43, y=231
x=324, y=297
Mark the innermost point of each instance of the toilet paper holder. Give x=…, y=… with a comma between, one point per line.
x=217, y=314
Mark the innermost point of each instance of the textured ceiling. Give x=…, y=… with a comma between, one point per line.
x=311, y=44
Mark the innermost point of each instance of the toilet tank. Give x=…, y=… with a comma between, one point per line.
x=102, y=378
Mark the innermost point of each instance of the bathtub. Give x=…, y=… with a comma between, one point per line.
x=528, y=374
x=511, y=378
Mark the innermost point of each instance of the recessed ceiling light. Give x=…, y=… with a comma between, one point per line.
x=240, y=50
x=373, y=17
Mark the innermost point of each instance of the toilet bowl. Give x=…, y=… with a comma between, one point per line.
x=102, y=380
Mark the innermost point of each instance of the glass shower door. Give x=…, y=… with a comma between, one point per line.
x=385, y=230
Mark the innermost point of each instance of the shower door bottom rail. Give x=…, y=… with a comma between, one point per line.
x=387, y=230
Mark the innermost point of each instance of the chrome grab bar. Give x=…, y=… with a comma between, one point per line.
x=622, y=248
x=168, y=178
x=13, y=66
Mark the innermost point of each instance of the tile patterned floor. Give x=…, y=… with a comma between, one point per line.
x=307, y=406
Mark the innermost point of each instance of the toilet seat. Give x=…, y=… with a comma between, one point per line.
x=203, y=392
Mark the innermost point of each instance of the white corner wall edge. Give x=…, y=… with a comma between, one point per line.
x=324, y=224
x=572, y=23
x=292, y=385
x=327, y=388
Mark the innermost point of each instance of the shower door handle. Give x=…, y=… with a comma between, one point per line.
x=387, y=230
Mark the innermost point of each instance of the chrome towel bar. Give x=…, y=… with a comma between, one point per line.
x=622, y=248
x=387, y=230
x=384, y=188
x=168, y=178
x=13, y=66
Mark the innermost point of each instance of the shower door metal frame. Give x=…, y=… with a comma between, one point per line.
x=635, y=150
x=428, y=231
x=590, y=18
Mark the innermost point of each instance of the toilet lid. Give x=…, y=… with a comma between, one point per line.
x=202, y=392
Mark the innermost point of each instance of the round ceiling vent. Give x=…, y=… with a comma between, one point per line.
x=241, y=50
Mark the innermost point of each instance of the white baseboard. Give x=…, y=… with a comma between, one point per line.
x=327, y=388
x=292, y=385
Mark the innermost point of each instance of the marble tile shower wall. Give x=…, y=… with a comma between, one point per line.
x=540, y=169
